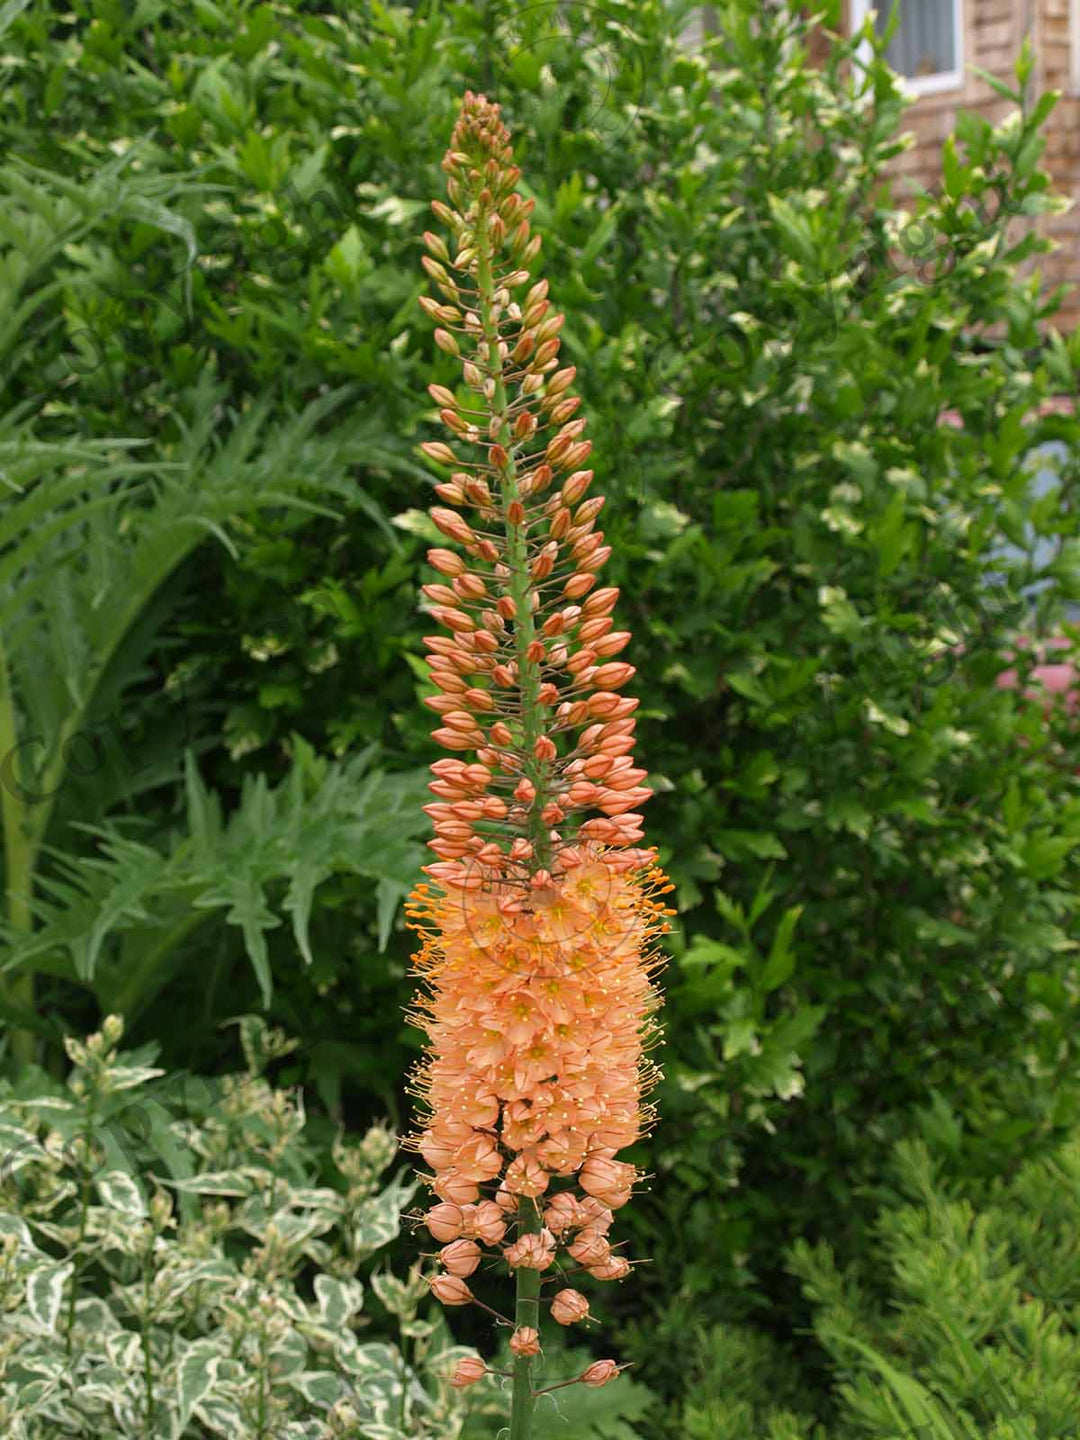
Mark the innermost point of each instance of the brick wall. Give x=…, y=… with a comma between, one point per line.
x=993, y=32
x=1062, y=155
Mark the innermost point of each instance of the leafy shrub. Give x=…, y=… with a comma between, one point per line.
x=742, y=1383
x=960, y=1321
x=164, y=1275
x=125, y=450
x=874, y=846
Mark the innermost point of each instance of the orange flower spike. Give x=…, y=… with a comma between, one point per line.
x=539, y=923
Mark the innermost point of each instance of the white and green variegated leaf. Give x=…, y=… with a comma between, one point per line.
x=102, y=1395
x=120, y=1192
x=47, y=1229
x=12, y=1224
x=221, y=1416
x=368, y=1362
x=17, y=1148
x=45, y=1293
x=196, y=1376
x=124, y=1350
x=304, y=1430
x=379, y=1398
x=220, y=1274
x=337, y=1300
x=302, y=1230
x=36, y=1393
x=60, y=1190
x=319, y=1253
x=126, y=1077
x=115, y=1377
x=92, y=1313
x=392, y=1294
x=418, y=1329
x=232, y=1378
x=42, y=1367
x=318, y=1387
x=378, y=1221
x=289, y=1355
x=377, y=1390
x=318, y=1199
x=113, y=1229
x=444, y=1359
x=216, y=1182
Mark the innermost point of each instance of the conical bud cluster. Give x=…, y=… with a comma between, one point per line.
x=528, y=671
x=538, y=930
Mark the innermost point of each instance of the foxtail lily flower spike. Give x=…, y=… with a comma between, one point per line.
x=538, y=928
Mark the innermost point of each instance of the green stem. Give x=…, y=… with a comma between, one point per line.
x=517, y=560
x=148, y=1361
x=264, y=1361
x=526, y=1312
x=403, y=1417
x=527, y=1304
x=84, y=1215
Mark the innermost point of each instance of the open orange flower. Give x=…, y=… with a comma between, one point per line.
x=539, y=924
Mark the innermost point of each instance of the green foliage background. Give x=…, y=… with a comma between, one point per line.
x=214, y=753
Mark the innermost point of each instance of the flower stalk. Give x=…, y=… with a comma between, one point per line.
x=537, y=930
x=526, y=1316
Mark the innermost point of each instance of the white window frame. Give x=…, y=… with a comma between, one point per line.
x=947, y=79
x=1074, y=46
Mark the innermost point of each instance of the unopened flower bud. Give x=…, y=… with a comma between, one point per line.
x=525, y=1341
x=468, y=1371
x=451, y=1290
x=599, y=1373
x=444, y=1221
x=569, y=1307
x=461, y=1257
x=436, y=450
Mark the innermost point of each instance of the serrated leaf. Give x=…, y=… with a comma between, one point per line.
x=781, y=962
x=388, y=896
x=614, y=1412
x=1044, y=855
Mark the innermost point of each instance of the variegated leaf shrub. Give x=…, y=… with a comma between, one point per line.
x=194, y=1280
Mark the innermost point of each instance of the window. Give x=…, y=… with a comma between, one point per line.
x=927, y=45
x=1074, y=44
